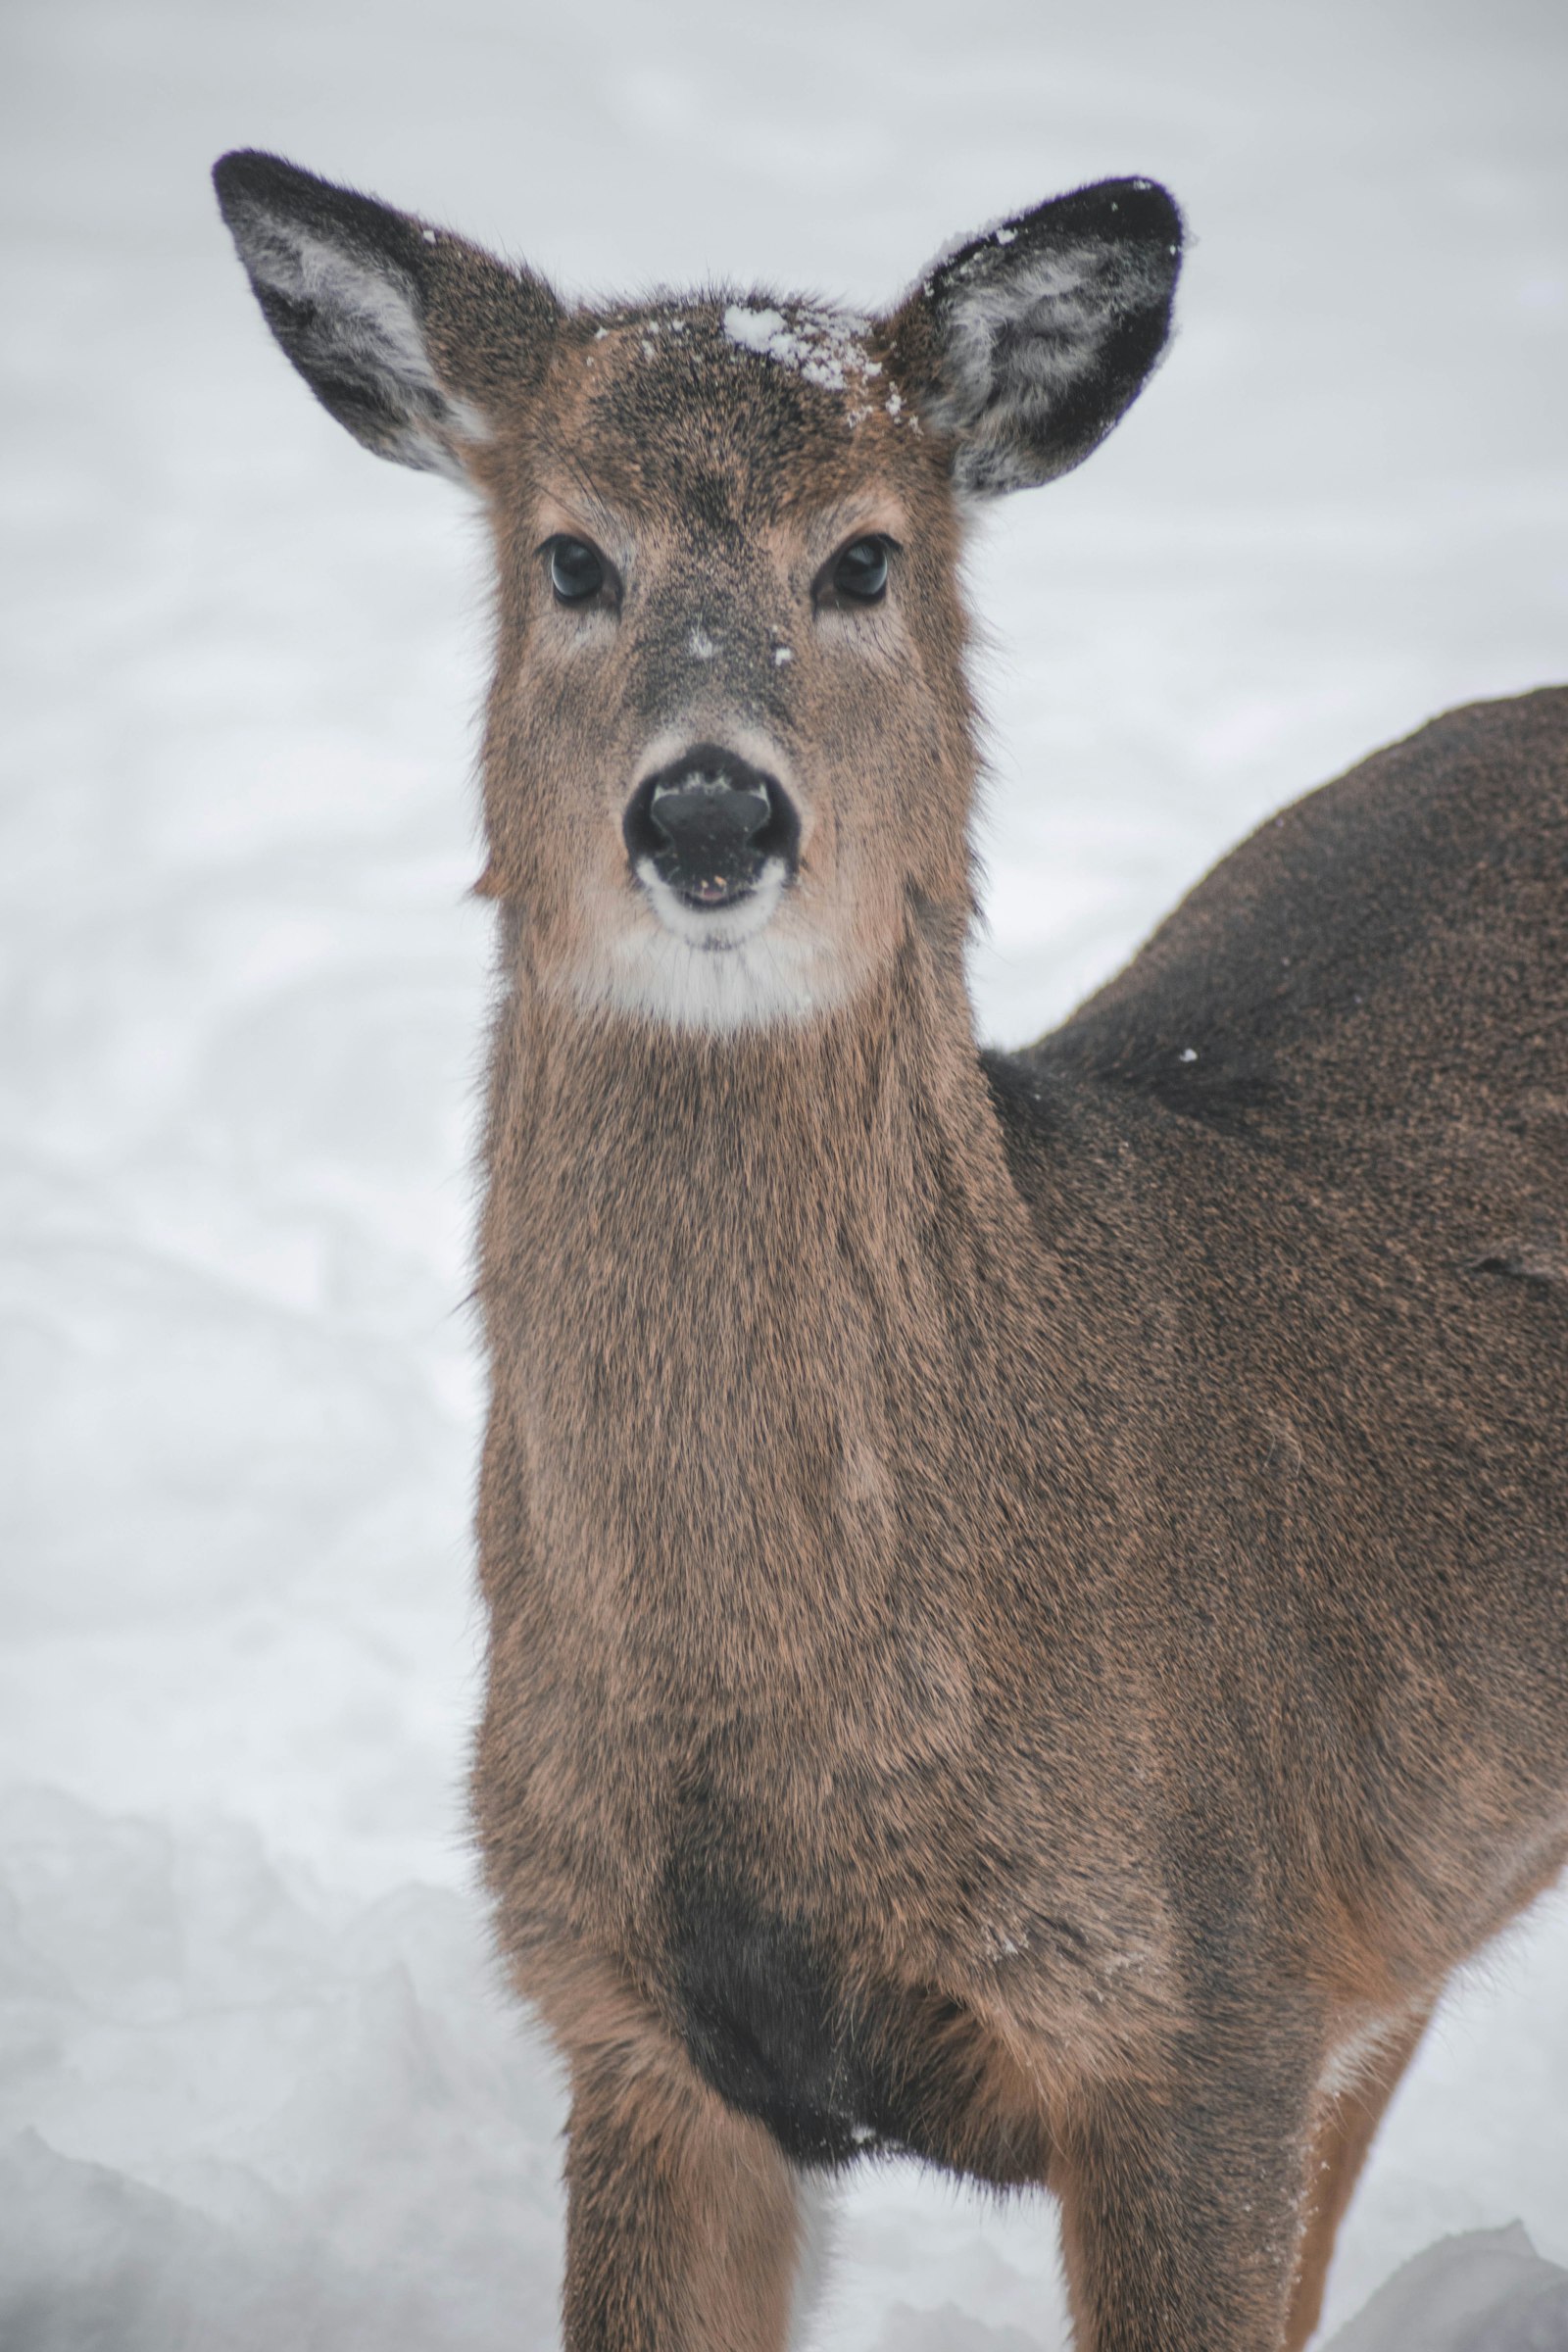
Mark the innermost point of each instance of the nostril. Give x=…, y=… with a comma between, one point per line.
x=709, y=824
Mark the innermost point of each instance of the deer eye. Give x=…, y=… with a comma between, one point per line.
x=860, y=570
x=577, y=571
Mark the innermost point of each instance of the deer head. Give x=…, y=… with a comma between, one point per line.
x=729, y=754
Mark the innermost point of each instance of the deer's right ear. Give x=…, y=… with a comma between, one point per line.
x=409, y=336
x=1026, y=344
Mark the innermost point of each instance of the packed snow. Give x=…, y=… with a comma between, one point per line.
x=260, y=2081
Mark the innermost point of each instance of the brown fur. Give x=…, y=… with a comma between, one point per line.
x=1028, y=1594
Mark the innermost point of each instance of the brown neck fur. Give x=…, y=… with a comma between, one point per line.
x=735, y=1256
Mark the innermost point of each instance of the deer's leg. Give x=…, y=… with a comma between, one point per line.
x=681, y=2223
x=1343, y=2132
x=1180, y=2217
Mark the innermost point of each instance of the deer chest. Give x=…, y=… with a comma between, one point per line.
x=785, y=2014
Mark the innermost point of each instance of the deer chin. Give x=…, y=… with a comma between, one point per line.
x=725, y=925
x=756, y=962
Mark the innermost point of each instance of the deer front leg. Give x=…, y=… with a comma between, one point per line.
x=1343, y=2134
x=681, y=2223
x=1181, y=2214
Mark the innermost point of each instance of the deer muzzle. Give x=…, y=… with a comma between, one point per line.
x=709, y=824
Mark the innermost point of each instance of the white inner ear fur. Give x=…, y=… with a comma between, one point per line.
x=369, y=319
x=1058, y=307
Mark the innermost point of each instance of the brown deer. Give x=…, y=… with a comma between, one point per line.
x=1028, y=1592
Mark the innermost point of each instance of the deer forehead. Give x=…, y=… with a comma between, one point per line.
x=721, y=416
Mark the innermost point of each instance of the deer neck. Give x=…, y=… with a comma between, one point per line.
x=729, y=1284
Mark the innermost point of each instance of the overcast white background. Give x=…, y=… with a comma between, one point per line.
x=257, y=2084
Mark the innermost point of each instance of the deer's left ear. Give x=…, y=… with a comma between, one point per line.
x=1028, y=343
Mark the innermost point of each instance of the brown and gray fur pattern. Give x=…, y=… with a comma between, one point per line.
x=1028, y=1594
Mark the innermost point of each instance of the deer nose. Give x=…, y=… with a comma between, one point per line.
x=709, y=824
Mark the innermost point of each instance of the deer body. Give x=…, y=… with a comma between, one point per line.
x=1028, y=1594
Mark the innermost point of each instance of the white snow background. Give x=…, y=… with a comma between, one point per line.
x=258, y=2083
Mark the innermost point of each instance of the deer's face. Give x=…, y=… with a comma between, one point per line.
x=729, y=755
x=729, y=730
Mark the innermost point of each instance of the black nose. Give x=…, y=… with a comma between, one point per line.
x=708, y=823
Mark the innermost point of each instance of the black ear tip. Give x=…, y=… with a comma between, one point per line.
x=1140, y=209
x=249, y=176
x=229, y=176
x=246, y=173
x=241, y=167
x=1154, y=210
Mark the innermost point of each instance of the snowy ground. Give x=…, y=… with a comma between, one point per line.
x=256, y=2085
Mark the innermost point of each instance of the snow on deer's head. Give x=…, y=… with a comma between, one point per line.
x=729, y=754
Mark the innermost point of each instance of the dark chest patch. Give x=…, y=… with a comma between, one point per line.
x=769, y=2022
x=768, y=2027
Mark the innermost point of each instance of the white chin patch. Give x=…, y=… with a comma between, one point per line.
x=714, y=970
x=715, y=930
